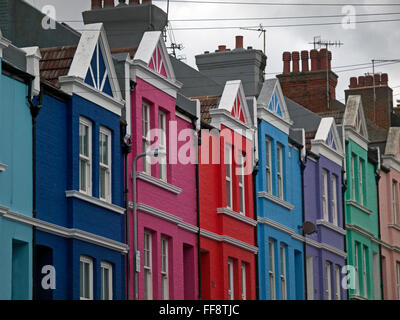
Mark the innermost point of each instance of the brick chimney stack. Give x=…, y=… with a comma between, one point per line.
x=364, y=86
x=96, y=4
x=308, y=85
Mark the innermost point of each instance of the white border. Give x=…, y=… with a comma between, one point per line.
x=277, y=200
x=95, y=201
x=237, y=216
x=159, y=183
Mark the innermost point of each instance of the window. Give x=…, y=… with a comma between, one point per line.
x=365, y=272
x=106, y=281
x=361, y=169
x=268, y=164
x=398, y=279
x=230, y=279
x=279, y=150
x=228, y=170
x=283, y=272
x=325, y=208
x=105, y=164
x=85, y=156
x=271, y=245
x=375, y=261
x=338, y=282
x=148, y=278
x=310, y=277
x=328, y=283
x=242, y=192
x=244, y=282
x=162, y=123
x=394, y=201
x=86, y=278
x=353, y=180
x=357, y=269
x=146, y=136
x=164, y=269
x=334, y=201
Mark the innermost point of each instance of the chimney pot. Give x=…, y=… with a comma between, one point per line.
x=304, y=61
x=239, y=42
x=249, y=48
x=384, y=79
x=287, y=57
x=323, y=59
x=361, y=81
x=377, y=78
x=96, y=4
x=314, y=54
x=329, y=60
x=369, y=81
x=133, y=2
x=353, y=82
x=143, y=1
x=296, y=59
x=108, y=3
x=222, y=48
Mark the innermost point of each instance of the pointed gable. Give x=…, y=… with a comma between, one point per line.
x=392, y=148
x=354, y=117
x=272, y=106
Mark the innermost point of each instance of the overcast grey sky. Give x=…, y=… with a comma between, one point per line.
x=379, y=40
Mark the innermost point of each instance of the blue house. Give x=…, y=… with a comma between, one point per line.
x=279, y=200
x=16, y=196
x=80, y=223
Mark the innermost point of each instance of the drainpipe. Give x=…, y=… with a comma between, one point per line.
x=198, y=213
x=302, y=168
x=344, y=188
x=35, y=109
x=255, y=172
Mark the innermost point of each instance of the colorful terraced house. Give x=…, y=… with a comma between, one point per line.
x=279, y=200
x=16, y=176
x=80, y=234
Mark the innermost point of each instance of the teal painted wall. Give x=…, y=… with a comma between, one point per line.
x=367, y=221
x=15, y=189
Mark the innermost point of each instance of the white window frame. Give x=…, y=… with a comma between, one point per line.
x=148, y=266
x=375, y=262
x=283, y=275
x=394, y=201
x=107, y=168
x=310, y=277
x=229, y=176
x=325, y=195
x=398, y=279
x=89, y=261
x=335, y=219
x=231, y=287
x=328, y=281
x=106, y=266
x=268, y=165
x=353, y=178
x=338, y=278
x=365, y=272
x=279, y=171
x=87, y=159
x=361, y=172
x=145, y=136
x=162, y=125
x=242, y=185
x=244, y=282
x=272, y=274
x=164, y=269
x=357, y=267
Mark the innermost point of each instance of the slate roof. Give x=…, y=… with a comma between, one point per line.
x=302, y=117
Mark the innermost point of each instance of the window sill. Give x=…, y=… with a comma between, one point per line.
x=237, y=216
x=359, y=206
x=357, y=297
x=95, y=201
x=159, y=183
x=394, y=226
x=3, y=167
x=331, y=226
x=277, y=200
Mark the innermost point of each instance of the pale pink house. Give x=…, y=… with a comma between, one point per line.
x=389, y=200
x=166, y=193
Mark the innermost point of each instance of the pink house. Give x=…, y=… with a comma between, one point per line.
x=167, y=229
x=389, y=200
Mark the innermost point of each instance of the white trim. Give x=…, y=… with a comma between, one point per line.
x=75, y=85
x=268, y=116
x=231, y=282
x=244, y=280
x=359, y=206
x=238, y=216
x=89, y=261
x=95, y=201
x=277, y=200
x=271, y=269
x=159, y=183
x=331, y=226
x=164, y=273
x=391, y=162
x=183, y=117
x=4, y=43
x=149, y=267
x=363, y=232
x=356, y=137
x=223, y=117
x=107, y=266
x=229, y=240
x=320, y=148
x=328, y=278
x=88, y=159
x=108, y=167
x=310, y=276
x=3, y=167
x=283, y=273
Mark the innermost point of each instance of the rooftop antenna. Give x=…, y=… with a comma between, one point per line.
x=318, y=43
x=262, y=31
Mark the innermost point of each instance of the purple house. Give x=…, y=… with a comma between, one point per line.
x=322, y=177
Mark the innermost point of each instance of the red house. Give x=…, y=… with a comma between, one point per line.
x=227, y=225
